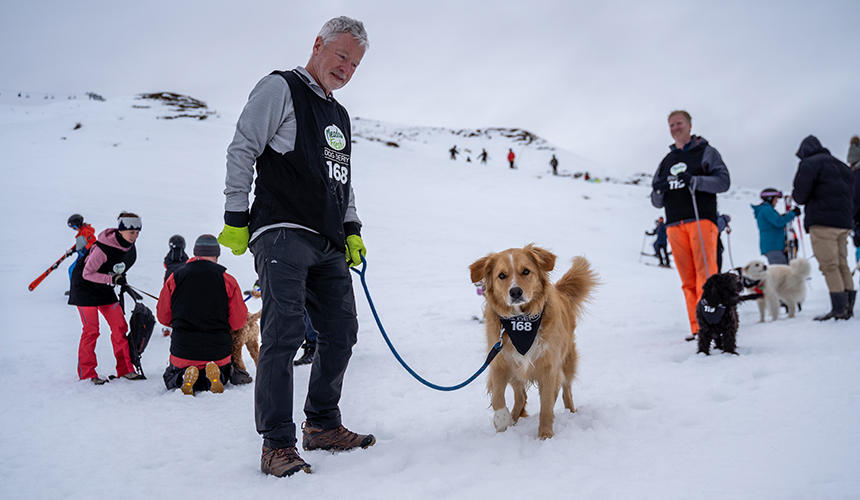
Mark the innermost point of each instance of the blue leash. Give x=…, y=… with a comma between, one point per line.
x=492, y=354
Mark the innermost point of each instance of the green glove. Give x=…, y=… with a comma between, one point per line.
x=354, y=250
x=235, y=238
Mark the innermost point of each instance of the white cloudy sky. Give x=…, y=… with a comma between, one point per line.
x=597, y=78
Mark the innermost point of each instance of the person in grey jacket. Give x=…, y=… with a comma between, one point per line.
x=304, y=232
x=686, y=184
x=854, y=153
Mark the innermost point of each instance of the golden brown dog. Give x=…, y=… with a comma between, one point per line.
x=520, y=296
x=248, y=336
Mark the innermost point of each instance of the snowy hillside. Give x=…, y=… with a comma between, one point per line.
x=654, y=420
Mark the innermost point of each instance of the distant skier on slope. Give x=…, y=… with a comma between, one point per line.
x=483, y=156
x=454, y=152
x=660, y=242
x=511, y=157
x=553, y=162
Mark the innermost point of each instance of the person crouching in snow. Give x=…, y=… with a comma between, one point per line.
x=92, y=291
x=203, y=304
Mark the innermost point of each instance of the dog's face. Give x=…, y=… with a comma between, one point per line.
x=722, y=288
x=515, y=279
x=756, y=270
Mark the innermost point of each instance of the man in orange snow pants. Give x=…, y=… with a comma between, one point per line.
x=686, y=185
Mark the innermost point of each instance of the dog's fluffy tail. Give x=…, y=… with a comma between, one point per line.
x=800, y=268
x=254, y=316
x=577, y=284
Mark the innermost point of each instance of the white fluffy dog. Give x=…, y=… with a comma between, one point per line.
x=779, y=283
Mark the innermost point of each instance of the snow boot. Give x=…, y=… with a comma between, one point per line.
x=98, y=381
x=691, y=337
x=188, y=379
x=310, y=347
x=282, y=462
x=337, y=439
x=240, y=376
x=213, y=373
x=838, y=306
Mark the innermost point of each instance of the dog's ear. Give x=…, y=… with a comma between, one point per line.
x=544, y=258
x=478, y=269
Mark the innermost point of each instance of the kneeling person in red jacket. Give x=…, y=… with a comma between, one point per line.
x=203, y=304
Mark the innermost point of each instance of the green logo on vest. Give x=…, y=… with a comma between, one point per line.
x=678, y=168
x=335, y=138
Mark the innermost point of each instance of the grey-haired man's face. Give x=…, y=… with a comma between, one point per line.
x=332, y=64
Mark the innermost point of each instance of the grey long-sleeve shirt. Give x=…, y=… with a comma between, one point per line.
x=267, y=119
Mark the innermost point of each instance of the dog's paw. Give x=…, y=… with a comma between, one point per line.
x=502, y=419
x=545, y=434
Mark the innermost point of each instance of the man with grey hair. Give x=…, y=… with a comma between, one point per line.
x=304, y=232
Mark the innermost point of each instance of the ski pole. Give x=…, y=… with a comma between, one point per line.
x=701, y=237
x=55, y=265
x=729, y=244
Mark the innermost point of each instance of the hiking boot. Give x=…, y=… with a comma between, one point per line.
x=134, y=376
x=338, y=439
x=213, y=373
x=282, y=462
x=310, y=347
x=188, y=380
x=98, y=381
x=240, y=376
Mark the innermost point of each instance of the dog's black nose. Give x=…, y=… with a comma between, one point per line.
x=516, y=292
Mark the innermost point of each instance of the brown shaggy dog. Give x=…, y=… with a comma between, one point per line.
x=520, y=296
x=248, y=336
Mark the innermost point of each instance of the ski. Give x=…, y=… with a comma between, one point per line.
x=55, y=265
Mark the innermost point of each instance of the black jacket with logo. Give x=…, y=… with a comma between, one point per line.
x=710, y=176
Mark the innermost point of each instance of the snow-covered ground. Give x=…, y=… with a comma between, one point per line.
x=654, y=419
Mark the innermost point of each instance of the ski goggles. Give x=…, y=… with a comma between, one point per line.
x=129, y=223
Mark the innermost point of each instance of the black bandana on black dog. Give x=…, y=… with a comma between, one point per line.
x=712, y=314
x=522, y=330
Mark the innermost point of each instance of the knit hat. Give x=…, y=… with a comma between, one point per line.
x=206, y=246
x=129, y=223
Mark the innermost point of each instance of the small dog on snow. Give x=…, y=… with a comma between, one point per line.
x=247, y=336
x=779, y=282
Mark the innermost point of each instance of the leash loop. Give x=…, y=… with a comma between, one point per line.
x=496, y=349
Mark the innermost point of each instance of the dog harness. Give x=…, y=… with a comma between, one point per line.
x=712, y=314
x=522, y=330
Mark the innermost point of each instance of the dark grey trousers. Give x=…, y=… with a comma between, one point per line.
x=301, y=270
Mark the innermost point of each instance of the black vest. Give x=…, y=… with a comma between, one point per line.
x=308, y=186
x=201, y=328
x=87, y=293
x=678, y=202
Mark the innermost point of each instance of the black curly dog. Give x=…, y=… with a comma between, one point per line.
x=717, y=312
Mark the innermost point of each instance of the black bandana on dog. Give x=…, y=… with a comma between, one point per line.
x=522, y=330
x=712, y=314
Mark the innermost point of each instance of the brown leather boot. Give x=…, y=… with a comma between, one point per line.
x=282, y=462
x=337, y=439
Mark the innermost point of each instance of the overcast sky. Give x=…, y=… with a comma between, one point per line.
x=597, y=78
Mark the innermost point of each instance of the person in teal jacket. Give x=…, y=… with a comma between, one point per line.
x=771, y=226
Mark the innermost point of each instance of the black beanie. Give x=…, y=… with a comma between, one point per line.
x=206, y=246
